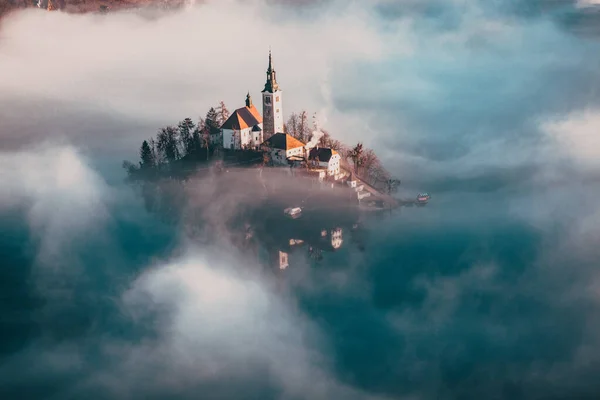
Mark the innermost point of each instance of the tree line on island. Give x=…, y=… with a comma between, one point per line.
x=189, y=144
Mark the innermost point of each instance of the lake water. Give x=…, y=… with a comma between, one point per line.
x=476, y=295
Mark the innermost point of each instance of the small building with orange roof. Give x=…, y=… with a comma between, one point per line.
x=325, y=158
x=243, y=129
x=284, y=147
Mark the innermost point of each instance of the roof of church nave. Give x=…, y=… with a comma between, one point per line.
x=244, y=117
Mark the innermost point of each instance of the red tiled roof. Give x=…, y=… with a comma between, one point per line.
x=243, y=118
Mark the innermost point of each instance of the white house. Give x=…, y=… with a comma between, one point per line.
x=336, y=238
x=283, y=147
x=325, y=158
x=243, y=129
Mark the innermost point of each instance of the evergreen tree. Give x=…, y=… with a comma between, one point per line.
x=167, y=144
x=196, y=143
x=212, y=121
x=212, y=129
x=132, y=170
x=186, y=128
x=146, y=156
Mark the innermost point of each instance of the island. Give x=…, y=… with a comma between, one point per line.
x=282, y=183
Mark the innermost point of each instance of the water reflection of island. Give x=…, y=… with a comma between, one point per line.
x=247, y=207
x=317, y=230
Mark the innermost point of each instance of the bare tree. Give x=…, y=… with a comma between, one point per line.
x=222, y=113
x=205, y=133
x=356, y=154
x=391, y=185
x=152, y=144
x=325, y=139
x=328, y=142
x=303, y=131
x=369, y=163
x=291, y=126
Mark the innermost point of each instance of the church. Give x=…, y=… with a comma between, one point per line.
x=246, y=128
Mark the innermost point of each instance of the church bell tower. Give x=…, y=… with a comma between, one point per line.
x=272, y=103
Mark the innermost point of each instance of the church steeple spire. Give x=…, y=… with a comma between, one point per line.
x=272, y=105
x=270, y=61
x=271, y=85
x=248, y=100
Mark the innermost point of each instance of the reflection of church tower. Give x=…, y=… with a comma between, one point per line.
x=272, y=104
x=51, y=6
x=279, y=258
x=283, y=260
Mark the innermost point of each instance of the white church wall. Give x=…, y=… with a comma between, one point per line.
x=228, y=135
x=257, y=137
x=294, y=152
x=244, y=138
x=278, y=111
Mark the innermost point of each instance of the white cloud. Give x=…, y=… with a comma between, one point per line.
x=577, y=137
x=216, y=321
x=181, y=63
x=588, y=3
x=62, y=195
x=65, y=205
